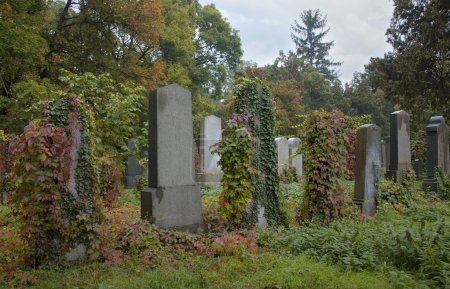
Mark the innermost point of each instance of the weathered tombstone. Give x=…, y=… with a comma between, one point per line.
x=172, y=199
x=295, y=161
x=133, y=168
x=368, y=167
x=400, y=146
x=437, y=151
x=283, y=154
x=210, y=134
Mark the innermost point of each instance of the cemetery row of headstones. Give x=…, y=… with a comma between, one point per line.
x=372, y=154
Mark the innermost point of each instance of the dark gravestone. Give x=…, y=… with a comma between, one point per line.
x=400, y=146
x=417, y=167
x=437, y=151
x=172, y=199
x=133, y=168
x=368, y=167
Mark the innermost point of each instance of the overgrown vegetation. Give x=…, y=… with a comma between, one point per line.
x=236, y=153
x=254, y=101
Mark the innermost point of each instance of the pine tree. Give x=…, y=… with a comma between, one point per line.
x=308, y=37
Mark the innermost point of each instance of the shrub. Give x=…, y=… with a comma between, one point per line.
x=54, y=190
x=443, y=181
x=253, y=100
x=236, y=152
x=234, y=243
x=324, y=142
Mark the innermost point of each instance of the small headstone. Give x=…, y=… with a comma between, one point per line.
x=400, y=146
x=437, y=151
x=283, y=154
x=172, y=199
x=262, y=221
x=133, y=168
x=368, y=167
x=210, y=134
x=295, y=161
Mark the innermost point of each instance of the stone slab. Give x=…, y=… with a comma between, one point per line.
x=400, y=146
x=368, y=167
x=210, y=134
x=297, y=161
x=282, y=153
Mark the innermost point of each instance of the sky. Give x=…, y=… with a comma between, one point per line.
x=357, y=28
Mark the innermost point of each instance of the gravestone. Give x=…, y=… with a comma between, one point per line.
x=133, y=168
x=210, y=134
x=295, y=161
x=400, y=146
x=437, y=151
x=282, y=153
x=172, y=199
x=368, y=167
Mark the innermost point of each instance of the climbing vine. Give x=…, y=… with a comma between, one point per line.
x=236, y=153
x=253, y=99
x=55, y=184
x=324, y=146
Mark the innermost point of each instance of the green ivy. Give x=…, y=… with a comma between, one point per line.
x=443, y=182
x=253, y=99
x=53, y=219
x=236, y=153
x=324, y=145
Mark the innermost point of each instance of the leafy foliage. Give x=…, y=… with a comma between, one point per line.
x=324, y=146
x=253, y=99
x=443, y=181
x=418, y=248
x=419, y=36
x=53, y=193
x=236, y=153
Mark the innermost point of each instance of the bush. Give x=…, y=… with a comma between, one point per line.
x=236, y=153
x=324, y=142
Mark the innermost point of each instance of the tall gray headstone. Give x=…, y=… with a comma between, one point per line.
x=295, y=161
x=437, y=151
x=133, y=168
x=172, y=199
x=368, y=167
x=283, y=154
x=400, y=146
x=210, y=134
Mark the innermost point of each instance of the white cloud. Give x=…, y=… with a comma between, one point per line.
x=357, y=27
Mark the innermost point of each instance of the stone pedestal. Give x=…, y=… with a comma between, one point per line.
x=295, y=161
x=437, y=151
x=172, y=199
x=368, y=167
x=400, y=146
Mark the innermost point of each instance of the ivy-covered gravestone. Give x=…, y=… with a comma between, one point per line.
x=253, y=100
x=56, y=193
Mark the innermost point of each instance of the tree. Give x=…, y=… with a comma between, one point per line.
x=308, y=37
x=117, y=37
x=199, y=47
x=416, y=74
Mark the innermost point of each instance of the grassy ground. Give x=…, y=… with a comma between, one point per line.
x=348, y=254
x=266, y=270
